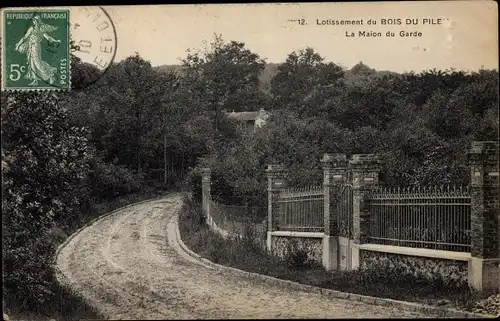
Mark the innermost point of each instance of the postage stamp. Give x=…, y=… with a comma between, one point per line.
x=35, y=49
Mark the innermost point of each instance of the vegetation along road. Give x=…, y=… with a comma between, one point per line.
x=130, y=266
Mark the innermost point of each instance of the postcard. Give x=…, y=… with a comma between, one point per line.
x=270, y=160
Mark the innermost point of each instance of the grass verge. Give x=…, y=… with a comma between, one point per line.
x=249, y=256
x=65, y=303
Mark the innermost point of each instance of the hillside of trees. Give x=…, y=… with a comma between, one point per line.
x=358, y=73
x=265, y=77
x=139, y=127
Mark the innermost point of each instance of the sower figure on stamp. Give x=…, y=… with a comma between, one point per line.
x=31, y=44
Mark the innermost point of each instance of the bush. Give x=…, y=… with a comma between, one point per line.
x=194, y=181
x=296, y=257
x=45, y=162
x=192, y=218
x=109, y=180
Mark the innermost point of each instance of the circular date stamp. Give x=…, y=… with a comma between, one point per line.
x=93, y=38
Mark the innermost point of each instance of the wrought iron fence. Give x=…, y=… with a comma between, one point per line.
x=248, y=200
x=432, y=217
x=301, y=209
x=241, y=221
x=341, y=201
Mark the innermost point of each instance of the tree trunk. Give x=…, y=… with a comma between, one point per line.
x=182, y=166
x=138, y=160
x=165, y=167
x=139, y=134
x=164, y=150
x=170, y=163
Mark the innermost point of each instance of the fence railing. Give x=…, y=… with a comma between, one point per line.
x=301, y=209
x=342, y=205
x=432, y=217
x=249, y=221
x=241, y=200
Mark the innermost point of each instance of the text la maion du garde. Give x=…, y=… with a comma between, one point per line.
x=385, y=22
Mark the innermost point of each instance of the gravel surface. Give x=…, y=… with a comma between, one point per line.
x=130, y=266
x=490, y=305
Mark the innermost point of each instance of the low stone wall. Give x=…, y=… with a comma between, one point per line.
x=313, y=246
x=450, y=270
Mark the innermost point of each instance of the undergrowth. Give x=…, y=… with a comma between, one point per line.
x=295, y=265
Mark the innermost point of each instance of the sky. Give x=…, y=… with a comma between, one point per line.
x=466, y=37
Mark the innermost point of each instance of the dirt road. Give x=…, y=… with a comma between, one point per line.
x=130, y=266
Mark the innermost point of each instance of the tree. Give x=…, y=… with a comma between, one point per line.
x=360, y=69
x=171, y=121
x=127, y=109
x=375, y=102
x=45, y=165
x=447, y=116
x=83, y=75
x=224, y=76
x=221, y=77
x=479, y=97
x=304, y=75
x=418, y=88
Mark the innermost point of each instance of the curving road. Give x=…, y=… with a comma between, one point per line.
x=130, y=266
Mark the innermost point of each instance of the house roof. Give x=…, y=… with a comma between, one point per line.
x=247, y=115
x=244, y=115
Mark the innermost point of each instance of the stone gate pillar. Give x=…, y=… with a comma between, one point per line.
x=276, y=181
x=334, y=176
x=205, y=192
x=484, y=270
x=365, y=169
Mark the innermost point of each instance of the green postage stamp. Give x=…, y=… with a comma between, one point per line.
x=36, y=49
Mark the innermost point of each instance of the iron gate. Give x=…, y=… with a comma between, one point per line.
x=343, y=211
x=342, y=207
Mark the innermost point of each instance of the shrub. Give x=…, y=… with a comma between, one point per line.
x=45, y=162
x=194, y=182
x=109, y=180
x=296, y=257
x=192, y=218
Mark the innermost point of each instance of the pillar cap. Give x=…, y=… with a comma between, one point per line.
x=365, y=159
x=480, y=147
x=483, y=152
x=206, y=170
x=333, y=157
x=275, y=168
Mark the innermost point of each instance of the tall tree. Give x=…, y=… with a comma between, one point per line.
x=304, y=75
x=172, y=116
x=128, y=99
x=360, y=69
x=224, y=76
x=374, y=102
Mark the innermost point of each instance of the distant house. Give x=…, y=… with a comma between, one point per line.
x=251, y=119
